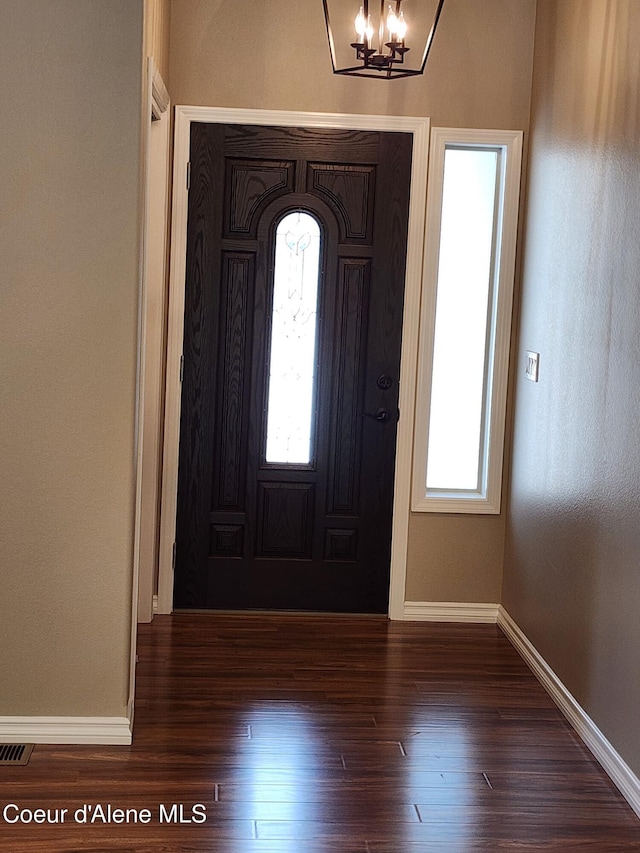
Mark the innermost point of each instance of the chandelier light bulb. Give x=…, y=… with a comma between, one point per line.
x=361, y=24
x=392, y=23
x=396, y=25
x=369, y=30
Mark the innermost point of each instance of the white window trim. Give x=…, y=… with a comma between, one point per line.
x=487, y=498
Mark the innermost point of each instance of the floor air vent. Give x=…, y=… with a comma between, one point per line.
x=15, y=753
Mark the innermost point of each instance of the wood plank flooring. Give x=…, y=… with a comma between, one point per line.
x=314, y=734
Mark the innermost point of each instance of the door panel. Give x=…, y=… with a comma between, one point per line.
x=256, y=534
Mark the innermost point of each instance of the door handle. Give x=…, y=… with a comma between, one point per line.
x=381, y=415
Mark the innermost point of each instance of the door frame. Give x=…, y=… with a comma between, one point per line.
x=419, y=128
x=153, y=308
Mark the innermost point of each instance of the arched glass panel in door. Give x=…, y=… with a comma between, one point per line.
x=293, y=344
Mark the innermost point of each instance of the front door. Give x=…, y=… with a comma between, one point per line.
x=296, y=245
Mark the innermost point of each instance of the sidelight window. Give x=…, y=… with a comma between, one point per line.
x=294, y=329
x=466, y=317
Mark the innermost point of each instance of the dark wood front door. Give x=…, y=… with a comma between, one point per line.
x=254, y=531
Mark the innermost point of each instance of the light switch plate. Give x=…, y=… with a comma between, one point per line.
x=531, y=366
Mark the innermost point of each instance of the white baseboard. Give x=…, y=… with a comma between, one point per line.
x=449, y=611
x=72, y=730
x=620, y=773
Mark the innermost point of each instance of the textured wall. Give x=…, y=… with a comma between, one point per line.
x=275, y=56
x=572, y=567
x=479, y=75
x=70, y=141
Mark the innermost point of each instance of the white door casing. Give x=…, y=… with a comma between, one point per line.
x=419, y=128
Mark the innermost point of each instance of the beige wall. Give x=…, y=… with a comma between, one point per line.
x=572, y=567
x=479, y=75
x=275, y=56
x=69, y=172
x=455, y=557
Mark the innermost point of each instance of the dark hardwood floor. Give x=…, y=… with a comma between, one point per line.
x=309, y=734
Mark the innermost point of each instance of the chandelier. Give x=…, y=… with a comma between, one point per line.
x=381, y=45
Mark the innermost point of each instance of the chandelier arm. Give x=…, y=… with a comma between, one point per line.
x=427, y=47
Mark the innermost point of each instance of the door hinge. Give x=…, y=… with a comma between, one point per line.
x=189, y=175
x=173, y=555
x=181, y=368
